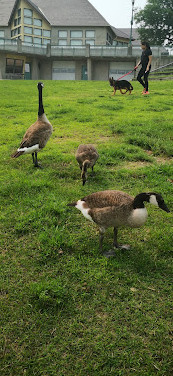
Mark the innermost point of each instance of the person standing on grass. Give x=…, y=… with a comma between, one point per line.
x=146, y=59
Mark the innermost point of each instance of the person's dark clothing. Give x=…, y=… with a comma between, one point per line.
x=144, y=62
x=139, y=77
x=145, y=57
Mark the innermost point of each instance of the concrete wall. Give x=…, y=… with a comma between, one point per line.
x=100, y=70
x=45, y=69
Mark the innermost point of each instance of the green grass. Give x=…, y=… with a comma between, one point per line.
x=65, y=309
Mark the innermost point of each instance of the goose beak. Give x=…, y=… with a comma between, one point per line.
x=164, y=207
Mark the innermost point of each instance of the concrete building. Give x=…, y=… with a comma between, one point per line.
x=61, y=40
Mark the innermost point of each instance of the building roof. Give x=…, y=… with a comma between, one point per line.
x=59, y=12
x=135, y=35
x=119, y=33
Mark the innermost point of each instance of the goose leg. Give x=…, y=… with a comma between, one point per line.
x=116, y=245
x=33, y=158
x=101, y=237
x=110, y=253
x=36, y=161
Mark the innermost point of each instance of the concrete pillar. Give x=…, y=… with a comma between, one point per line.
x=35, y=69
x=89, y=68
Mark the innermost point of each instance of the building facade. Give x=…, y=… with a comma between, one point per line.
x=61, y=40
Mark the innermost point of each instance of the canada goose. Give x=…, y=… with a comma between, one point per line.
x=116, y=209
x=37, y=134
x=86, y=156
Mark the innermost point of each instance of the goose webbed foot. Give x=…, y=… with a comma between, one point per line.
x=37, y=165
x=124, y=247
x=110, y=253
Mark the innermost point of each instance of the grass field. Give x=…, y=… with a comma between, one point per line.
x=65, y=309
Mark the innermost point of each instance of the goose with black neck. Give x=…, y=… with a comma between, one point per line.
x=117, y=209
x=37, y=135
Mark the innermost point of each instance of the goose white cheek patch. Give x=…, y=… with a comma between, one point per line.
x=153, y=200
x=80, y=206
x=29, y=150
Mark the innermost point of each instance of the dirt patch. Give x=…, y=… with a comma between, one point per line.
x=138, y=164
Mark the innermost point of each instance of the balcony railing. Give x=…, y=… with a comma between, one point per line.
x=8, y=45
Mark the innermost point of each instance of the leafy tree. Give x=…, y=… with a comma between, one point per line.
x=156, y=22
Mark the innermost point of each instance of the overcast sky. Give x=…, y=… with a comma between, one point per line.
x=117, y=12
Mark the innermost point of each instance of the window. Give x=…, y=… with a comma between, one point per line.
x=76, y=42
x=27, y=20
x=37, y=22
x=90, y=41
x=2, y=33
x=19, y=30
x=46, y=41
x=15, y=22
x=62, y=34
x=76, y=34
x=46, y=33
x=18, y=66
x=38, y=32
x=90, y=34
x=27, y=30
x=37, y=40
x=62, y=42
x=19, y=12
x=27, y=39
x=19, y=21
x=27, y=12
x=14, y=66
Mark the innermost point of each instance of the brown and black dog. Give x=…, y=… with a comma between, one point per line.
x=119, y=85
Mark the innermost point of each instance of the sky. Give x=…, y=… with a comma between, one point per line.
x=117, y=12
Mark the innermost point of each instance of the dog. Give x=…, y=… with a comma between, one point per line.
x=119, y=85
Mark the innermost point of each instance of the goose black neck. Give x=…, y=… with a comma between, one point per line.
x=138, y=202
x=40, y=109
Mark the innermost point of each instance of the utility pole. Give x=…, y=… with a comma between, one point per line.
x=130, y=41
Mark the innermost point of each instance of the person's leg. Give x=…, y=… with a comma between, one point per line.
x=139, y=77
x=146, y=80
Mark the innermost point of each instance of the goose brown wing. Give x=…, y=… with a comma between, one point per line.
x=105, y=199
x=37, y=133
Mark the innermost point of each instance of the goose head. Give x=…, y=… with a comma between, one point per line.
x=40, y=85
x=157, y=200
x=151, y=197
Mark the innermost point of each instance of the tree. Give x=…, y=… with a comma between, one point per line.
x=156, y=22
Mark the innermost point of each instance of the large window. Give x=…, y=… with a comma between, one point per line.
x=37, y=22
x=62, y=33
x=37, y=40
x=76, y=34
x=46, y=41
x=46, y=33
x=38, y=32
x=27, y=21
x=27, y=12
x=90, y=41
x=27, y=39
x=90, y=34
x=27, y=30
x=76, y=42
x=2, y=34
x=14, y=66
x=62, y=42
